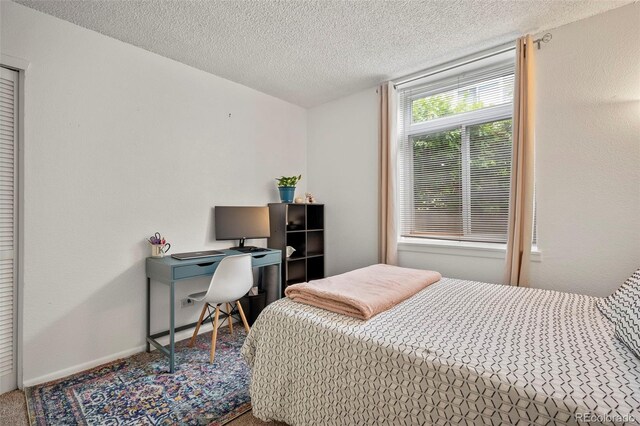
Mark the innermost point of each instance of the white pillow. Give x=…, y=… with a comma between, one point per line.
x=628, y=328
x=615, y=305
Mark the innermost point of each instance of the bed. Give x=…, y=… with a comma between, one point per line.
x=457, y=352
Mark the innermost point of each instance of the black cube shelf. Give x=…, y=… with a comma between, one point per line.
x=300, y=226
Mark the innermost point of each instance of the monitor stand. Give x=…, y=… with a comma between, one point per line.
x=241, y=247
x=248, y=249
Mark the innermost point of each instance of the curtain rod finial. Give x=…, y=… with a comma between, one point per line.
x=544, y=39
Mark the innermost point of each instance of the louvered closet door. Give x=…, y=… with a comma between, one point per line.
x=8, y=237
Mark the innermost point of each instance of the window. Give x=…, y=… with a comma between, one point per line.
x=455, y=155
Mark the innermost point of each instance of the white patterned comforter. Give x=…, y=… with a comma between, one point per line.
x=458, y=352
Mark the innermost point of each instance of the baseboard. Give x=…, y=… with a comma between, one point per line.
x=106, y=359
x=81, y=367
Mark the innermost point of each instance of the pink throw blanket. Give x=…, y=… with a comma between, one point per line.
x=364, y=292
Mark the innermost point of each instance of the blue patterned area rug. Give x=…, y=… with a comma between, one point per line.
x=139, y=391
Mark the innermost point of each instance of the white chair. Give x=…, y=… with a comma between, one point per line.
x=231, y=280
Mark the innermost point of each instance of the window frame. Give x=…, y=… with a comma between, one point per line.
x=462, y=121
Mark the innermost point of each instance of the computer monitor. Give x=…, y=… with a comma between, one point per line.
x=240, y=223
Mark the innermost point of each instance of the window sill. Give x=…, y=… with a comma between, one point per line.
x=459, y=248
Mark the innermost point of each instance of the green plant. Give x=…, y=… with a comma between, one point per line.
x=288, y=180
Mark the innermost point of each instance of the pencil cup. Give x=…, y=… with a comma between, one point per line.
x=157, y=250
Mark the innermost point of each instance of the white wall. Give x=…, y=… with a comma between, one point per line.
x=120, y=143
x=588, y=152
x=343, y=174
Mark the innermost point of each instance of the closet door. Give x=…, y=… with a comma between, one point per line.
x=8, y=228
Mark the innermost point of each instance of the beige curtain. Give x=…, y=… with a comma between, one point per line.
x=388, y=251
x=522, y=168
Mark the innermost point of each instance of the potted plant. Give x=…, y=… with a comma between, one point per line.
x=287, y=187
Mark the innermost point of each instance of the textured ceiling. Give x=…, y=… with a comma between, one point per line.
x=310, y=52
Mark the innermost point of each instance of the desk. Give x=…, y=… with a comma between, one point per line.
x=170, y=271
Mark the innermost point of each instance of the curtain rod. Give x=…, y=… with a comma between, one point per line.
x=510, y=46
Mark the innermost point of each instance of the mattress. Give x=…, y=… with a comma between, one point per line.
x=458, y=352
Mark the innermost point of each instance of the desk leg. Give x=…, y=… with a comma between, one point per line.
x=172, y=326
x=148, y=313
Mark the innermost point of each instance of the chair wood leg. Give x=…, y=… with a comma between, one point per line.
x=214, y=334
x=195, y=332
x=229, y=318
x=244, y=320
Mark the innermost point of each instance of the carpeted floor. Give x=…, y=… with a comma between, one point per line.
x=13, y=411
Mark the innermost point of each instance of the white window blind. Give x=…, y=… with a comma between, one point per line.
x=455, y=155
x=8, y=138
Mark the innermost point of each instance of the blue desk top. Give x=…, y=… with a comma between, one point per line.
x=167, y=260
